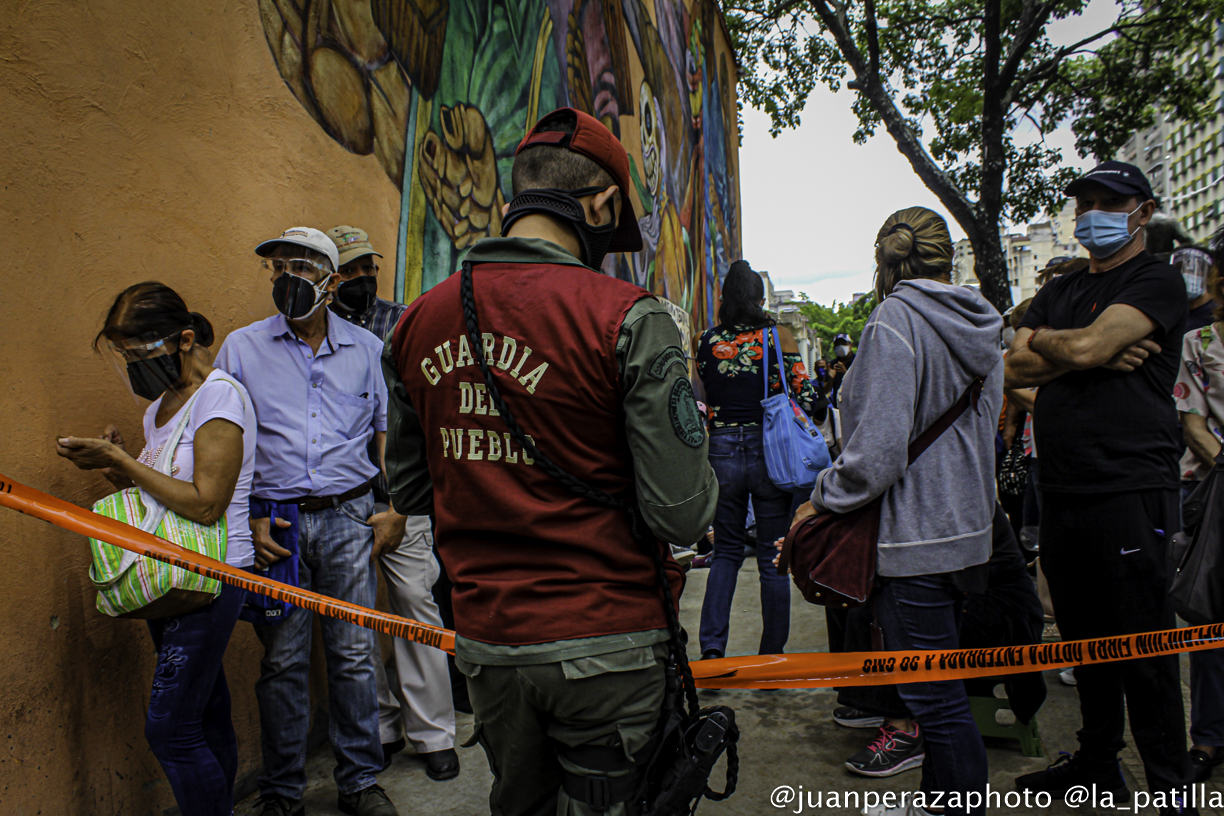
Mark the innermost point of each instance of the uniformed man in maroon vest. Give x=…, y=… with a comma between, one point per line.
x=558, y=612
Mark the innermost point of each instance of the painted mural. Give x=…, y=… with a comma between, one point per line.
x=442, y=91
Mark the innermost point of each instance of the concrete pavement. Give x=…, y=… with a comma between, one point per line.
x=787, y=738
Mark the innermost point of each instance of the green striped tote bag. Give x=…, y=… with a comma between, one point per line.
x=134, y=586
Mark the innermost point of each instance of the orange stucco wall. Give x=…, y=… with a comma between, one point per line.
x=142, y=140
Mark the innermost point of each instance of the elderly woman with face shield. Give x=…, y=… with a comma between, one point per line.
x=162, y=347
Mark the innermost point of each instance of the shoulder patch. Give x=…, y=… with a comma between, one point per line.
x=685, y=418
x=666, y=359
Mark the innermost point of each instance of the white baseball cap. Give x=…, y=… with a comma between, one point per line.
x=308, y=237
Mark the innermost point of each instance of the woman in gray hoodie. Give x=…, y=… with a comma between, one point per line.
x=919, y=351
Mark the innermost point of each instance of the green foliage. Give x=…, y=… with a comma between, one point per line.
x=933, y=54
x=969, y=89
x=829, y=321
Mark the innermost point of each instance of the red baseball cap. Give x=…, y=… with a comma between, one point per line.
x=596, y=142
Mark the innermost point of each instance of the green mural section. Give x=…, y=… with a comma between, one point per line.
x=442, y=91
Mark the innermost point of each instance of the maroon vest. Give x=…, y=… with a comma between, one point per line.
x=531, y=561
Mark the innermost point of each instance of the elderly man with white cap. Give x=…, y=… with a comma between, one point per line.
x=414, y=690
x=320, y=400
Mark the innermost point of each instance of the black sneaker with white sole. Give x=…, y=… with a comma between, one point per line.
x=853, y=718
x=892, y=752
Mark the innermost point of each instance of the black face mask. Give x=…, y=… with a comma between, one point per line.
x=297, y=297
x=357, y=295
x=151, y=378
x=564, y=204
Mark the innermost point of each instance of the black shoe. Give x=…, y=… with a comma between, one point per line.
x=390, y=749
x=1203, y=763
x=371, y=801
x=1069, y=771
x=892, y=752
x=851, y=717
x=440, y=765
x=273, y=805
x=711, y=654
x=1180, y=809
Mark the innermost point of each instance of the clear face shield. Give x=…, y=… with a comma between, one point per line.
x=149, y=365
x=300, y=287
x=1195, y=269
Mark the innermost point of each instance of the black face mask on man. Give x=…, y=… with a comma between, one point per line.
x=298, y=298
x=564, y=204
x=356, y=296
x=153, y=377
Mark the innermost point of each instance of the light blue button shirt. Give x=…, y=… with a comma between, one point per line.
x=317, y=412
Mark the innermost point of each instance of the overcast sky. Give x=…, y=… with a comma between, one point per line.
x=813, y=200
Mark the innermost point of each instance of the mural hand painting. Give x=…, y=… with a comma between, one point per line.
x=442, y=91
x=339, y=66
x=459, y=174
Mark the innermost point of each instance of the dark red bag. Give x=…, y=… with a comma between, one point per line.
x=832, y=556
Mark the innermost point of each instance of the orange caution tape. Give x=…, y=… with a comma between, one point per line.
x=881, y=668
x=88, y=523
x=820, y=670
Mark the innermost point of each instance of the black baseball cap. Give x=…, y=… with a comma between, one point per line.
x=1117, y=176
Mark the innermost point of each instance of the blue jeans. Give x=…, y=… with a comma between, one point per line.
x=738, y=458
x=335, y=560
x=923, y=612
x=188, y=725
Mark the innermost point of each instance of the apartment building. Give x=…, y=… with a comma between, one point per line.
x=1027, y=252
x=1184, y=162
x=784, y=306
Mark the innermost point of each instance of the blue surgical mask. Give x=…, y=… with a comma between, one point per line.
x=1104, y=233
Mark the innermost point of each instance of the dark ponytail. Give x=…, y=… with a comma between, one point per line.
x=155, y=310
x=742, y=293
x=203, y=329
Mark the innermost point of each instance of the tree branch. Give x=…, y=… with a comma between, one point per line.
x=1046, y=69
x=873, y=39
x=878, y=96
x=1032, y=23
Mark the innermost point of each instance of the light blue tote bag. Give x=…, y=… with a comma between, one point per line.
x=795, y=452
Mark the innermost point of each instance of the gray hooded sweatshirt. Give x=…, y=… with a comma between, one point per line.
x=918, y=353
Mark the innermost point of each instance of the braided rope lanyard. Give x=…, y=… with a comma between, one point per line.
x=575, y=485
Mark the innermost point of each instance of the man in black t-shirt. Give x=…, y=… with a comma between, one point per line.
x=1103, y=344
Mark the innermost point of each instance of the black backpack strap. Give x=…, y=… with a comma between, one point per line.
x=640, y=532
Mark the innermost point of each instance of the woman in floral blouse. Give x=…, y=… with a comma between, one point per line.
x=732, y=363
x=1200, y=402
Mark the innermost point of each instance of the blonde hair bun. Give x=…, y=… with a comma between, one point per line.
x=912, y=243
x=898, y=244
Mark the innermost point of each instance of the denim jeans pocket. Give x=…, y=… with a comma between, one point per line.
x=723, y=446
x=349, y=510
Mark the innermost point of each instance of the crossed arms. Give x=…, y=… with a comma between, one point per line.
x=1116, y=340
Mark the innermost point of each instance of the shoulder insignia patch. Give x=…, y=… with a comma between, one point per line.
x=667, y=358
x=685, y=419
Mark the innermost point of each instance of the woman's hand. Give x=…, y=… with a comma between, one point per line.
x=88, y=453
x=115, y=477
x=112, y=435
x=805, y=512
